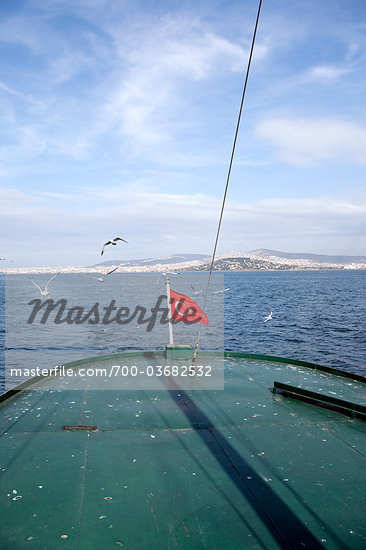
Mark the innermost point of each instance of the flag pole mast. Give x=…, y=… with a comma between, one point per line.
x=170, y=324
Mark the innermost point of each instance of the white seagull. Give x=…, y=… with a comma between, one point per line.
x=165, y=274
x=220, y=291
x=195, y=292
x=268, y=318
x=45, y=292
x=170, y=273
x=113, y=242
x=100, y=279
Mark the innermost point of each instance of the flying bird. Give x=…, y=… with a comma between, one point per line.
x=100, y=279
x=268, y=318
x=170, y=273
x=195, y=292
x=113, y=242
x=44, y=292
x=166, y=273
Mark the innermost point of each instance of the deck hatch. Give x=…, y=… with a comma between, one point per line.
x=348, y=408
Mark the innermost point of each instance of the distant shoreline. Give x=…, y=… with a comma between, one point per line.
x=70, y=271
x=255, y=260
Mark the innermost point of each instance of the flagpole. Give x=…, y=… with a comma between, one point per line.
x=167, y=284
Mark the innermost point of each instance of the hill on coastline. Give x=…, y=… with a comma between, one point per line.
x=318, y=258
x=259, y=259
x=174, y=259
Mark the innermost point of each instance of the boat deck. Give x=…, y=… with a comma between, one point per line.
x=179, y=468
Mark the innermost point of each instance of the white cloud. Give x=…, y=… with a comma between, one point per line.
x=162, y=66
x=11, y=91
x=67, y=65
x=326, y=73
x=102, y=91
x=23, y=30
x=139, y=88
x=70, y=230
x=14, y=196
x=303, y=141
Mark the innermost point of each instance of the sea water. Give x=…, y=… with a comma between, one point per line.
x=317, y=316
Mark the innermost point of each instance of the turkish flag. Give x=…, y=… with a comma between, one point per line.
x=185, y=309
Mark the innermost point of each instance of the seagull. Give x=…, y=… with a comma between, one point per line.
x=268, y=318
x=170, y=273
x=166, y=273
x=113, y=242
x=220, y=291
x=100, y=279
x=5, y=259
x=195, y=292
x=45, y=292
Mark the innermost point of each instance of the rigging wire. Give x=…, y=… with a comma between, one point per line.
x=196, y=346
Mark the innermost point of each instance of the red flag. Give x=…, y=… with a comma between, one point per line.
x=185, y=309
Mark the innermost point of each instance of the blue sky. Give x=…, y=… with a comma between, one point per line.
x=117, y=119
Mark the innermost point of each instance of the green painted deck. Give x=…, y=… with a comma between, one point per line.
x=240, y=468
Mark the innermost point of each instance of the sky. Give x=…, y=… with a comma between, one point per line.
x=117, y=118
